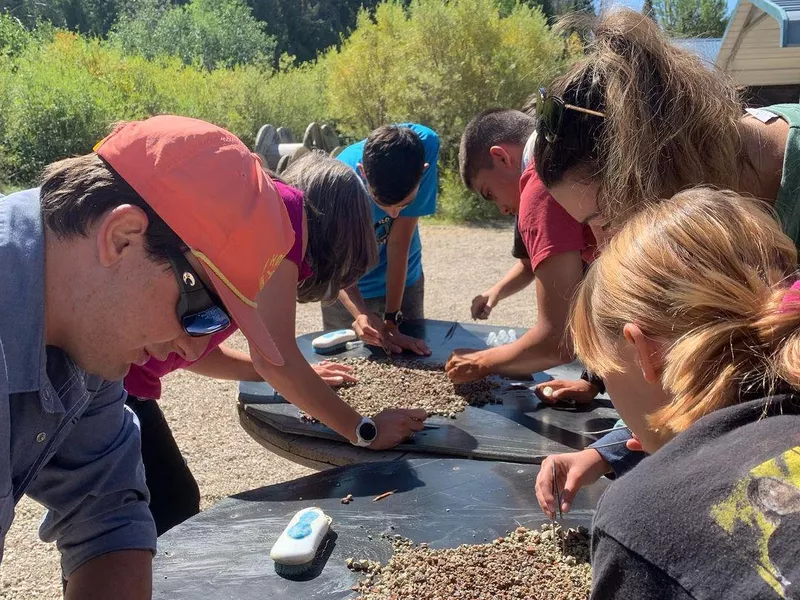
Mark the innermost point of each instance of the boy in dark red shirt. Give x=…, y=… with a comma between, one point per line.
x=494, y=162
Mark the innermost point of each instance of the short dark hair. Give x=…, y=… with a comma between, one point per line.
x=394, y=160
x=491, y=127
x=77, y=192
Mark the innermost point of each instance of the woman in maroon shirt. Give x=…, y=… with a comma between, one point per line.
x=334, y=246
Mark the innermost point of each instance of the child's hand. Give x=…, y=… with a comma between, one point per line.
x=372, y=331
x=577, y=390
x=392, y=335
x=482, y=305
x=466, y=364
x=573, y=471
x=334, y=374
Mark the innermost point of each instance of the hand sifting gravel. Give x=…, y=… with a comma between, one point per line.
x=400, y=383
x=526, y=564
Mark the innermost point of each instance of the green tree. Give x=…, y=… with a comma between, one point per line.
x=648, y=10
x=211, y=33
x=440, y=63
x=93, y=17
x=692, y=18
x=14, y=37
x=304, y=28
x=562, y=7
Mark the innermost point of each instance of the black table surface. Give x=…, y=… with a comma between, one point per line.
x=223, y=553
x=519, y=428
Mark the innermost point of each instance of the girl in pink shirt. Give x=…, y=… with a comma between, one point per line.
x=334, y=246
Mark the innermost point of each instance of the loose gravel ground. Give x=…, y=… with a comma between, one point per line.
x=459, y=263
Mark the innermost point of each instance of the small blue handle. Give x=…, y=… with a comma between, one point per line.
x=302, y=528
x=333, y=334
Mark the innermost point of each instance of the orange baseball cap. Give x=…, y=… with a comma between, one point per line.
x=214, y=194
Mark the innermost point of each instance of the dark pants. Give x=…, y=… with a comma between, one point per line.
x=174, y=495
x=336, y=316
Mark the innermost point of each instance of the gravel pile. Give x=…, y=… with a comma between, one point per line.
x=526, y=564
x=402, y=383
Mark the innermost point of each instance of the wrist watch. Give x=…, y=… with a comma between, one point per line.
x=366, y=432
x=395, y=317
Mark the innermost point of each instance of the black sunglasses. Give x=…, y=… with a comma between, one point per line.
x=199, y=311
x=550, y=110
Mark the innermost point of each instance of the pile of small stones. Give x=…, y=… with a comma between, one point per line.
x=400, y=383
x=526, y=564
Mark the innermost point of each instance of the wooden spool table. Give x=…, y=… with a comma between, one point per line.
x=223, y=553
x=519, y=428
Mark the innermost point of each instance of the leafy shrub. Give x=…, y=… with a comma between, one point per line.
x=457, y=203
x=209, y=33
x=58, y=98
x=440, y=63
x=14, y=38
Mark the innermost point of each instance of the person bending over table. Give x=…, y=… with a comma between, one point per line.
x=330, y=215
x=397, y=163
x=112, y=260
x=494, y=161
x=707, y=378
x=605, y=138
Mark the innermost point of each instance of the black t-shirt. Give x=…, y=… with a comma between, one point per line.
x=714, y=514
x=519, y=250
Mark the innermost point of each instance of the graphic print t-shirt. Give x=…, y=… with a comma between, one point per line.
x=714, y=514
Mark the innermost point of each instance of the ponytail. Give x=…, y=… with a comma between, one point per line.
x=671, y=121
x=704, y=274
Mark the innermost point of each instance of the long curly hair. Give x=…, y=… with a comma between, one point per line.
x=671, y=121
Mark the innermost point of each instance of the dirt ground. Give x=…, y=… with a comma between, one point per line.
x=459, y=263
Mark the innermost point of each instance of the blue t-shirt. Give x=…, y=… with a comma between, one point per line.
x=373, y=284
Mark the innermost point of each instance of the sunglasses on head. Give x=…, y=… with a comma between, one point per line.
x=551, y=109
x=199, y=311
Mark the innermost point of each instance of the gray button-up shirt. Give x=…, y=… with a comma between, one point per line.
x=66, y=438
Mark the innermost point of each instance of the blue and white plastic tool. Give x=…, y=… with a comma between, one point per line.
x=296, y=547
x=333, y=341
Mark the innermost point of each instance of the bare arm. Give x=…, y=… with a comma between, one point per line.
x=299, y=384
x=397, y=247
x=353, y=301
x=517, y=279
x=226, y=363
x=123, y=575
x=543, y=346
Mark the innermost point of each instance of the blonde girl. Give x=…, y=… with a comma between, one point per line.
x=692, y=318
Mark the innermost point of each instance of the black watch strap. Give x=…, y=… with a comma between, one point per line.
x=393, y=317
x=595, y=381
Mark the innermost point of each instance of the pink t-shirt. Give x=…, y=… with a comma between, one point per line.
x=546, y=228
x=145, y=382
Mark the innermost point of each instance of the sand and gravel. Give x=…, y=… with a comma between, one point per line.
x=381, y=381
x=459, y=263
x=524, y=564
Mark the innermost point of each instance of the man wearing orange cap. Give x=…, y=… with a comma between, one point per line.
x=169, y=233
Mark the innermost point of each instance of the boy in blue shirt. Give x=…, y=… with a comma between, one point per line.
x=397, y=164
